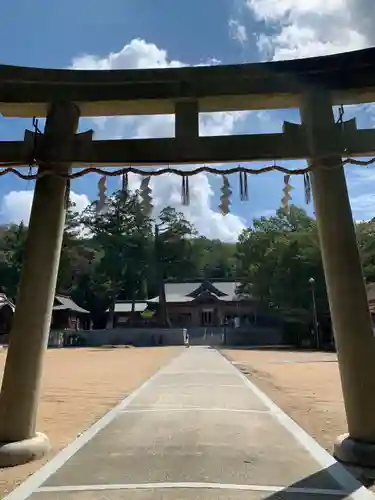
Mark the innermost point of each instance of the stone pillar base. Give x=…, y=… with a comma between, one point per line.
x=21, y=452
x=352, y=452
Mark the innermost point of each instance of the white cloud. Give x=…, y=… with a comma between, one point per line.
x=237, y=31
x=16, y=205
x=166, y=189
x=361, y=184
x=212, y=224
x=305, y=28
x=363, y=206
x=313, y=27
x=138, y=54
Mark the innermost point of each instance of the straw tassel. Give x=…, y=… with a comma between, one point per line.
x=67, y=194
x=102, y=196
x=185, y=193
x=286, y=190
x=307, y=184
x=125, y=182
x=244, y=195
x=226, y=193
x=146, y=195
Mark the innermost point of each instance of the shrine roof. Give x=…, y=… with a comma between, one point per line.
x=4, y=301
x=27, y=92
x=173, y=298
x=65, y=303
x=184, y=291
x=125, y=306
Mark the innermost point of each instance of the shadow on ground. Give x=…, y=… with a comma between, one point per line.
x=310, y=483
x=283, y=348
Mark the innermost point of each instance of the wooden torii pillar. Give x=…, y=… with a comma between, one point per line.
x=349, y=308
x=19, y=397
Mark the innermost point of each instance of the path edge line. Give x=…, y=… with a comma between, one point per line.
x=190, y=486
x=336, y=470
x=32, y=483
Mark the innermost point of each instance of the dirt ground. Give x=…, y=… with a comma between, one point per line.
x=306, y=385
x=79, y=386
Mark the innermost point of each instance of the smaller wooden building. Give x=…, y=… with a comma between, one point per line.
x=207, y=303
x=125, y=313
x=7, y=309
x=67, y=315
x=193, y=304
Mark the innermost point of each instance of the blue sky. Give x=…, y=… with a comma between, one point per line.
x=145, y=33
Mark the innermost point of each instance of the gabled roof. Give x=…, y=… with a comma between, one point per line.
x=125, y=306
x=65, y=303
x=208, y=294
x=207, y=287
x=173, y=297
x=4, y=301
x=188, y=291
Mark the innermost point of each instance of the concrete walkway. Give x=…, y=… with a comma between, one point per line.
x=196, y=430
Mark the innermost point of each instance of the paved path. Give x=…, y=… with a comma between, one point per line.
x=196, y=430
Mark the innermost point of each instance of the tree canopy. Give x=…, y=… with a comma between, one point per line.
x=278, y=256
x=113, y=255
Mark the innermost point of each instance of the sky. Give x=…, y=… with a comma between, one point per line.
x=115, y=34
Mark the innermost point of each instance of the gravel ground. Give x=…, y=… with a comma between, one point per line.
x=79, y=386
x=306, y=385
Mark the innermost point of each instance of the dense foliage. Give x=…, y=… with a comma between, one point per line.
x=114, y=255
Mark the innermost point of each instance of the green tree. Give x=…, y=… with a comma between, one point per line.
x=12, y=243
x=75, y=254
x=276, y=258
x=214, y=258
x=366, y=243
x=175, y=244
x=122, y=235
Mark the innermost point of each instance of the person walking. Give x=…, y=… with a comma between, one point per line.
x=186, y=337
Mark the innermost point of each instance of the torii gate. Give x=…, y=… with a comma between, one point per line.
x=312, y=85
